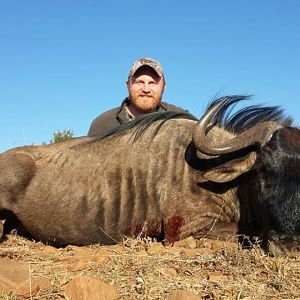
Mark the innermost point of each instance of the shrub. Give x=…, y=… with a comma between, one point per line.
x=60, y=136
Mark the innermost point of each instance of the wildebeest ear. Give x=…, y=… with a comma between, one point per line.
x=231, y=169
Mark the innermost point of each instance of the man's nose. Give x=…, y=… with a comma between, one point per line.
x=146, y=87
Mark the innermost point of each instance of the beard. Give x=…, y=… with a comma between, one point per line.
x=145, y=104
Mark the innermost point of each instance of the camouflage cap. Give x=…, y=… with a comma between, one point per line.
x=146, y=61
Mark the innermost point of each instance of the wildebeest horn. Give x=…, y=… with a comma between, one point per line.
x=256, y=135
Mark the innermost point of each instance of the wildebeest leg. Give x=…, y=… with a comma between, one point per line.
x=280, y=244
x=221, y=231
x=16, y=170
x=176, y=229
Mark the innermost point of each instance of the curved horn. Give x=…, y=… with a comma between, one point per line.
x=256, y=135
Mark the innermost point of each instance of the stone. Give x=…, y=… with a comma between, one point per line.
x=89, y=288
x=170, y=272
x=189, y=242
x=219, y=278
x=15, y=279
x=50, y=250
x=78, y=265
x=183, y=295
x=12, y=274
x=193, y=253
x=79, y=250
x=36, y=286
x=156, y=249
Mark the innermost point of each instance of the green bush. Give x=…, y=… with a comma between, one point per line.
x=60, y=136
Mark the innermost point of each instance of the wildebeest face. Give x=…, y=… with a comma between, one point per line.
x=270, y=195
x=267, y=174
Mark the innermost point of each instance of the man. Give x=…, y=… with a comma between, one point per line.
x=146, y=83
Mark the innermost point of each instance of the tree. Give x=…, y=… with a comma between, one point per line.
x=60, y=136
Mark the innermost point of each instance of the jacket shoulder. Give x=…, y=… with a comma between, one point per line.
x=172, y=107
x=104, y=122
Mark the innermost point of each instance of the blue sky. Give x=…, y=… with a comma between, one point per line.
x=63, y=62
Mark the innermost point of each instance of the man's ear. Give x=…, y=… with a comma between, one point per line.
x=128, y=82
x=231, y=169
x=165, y=83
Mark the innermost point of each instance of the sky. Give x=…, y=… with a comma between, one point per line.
x=63, y=62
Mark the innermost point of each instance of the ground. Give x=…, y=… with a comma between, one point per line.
x=144, y=269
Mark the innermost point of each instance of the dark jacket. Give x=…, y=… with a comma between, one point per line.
x=116, y=116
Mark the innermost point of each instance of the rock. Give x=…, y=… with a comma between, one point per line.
x=118, y=248
x=78, y=265
x=102, y=255
x=219, y=278
x=222, y=245
x=85, y=254
x=89, y=288
x=176, y=251
x=170, y=272
x=103, y=252
x=156, y=249
x=189, y=242
x=102, y=259
x=79, y=250
x=81, y=258
x=183, y=295
x=15, y=278
x=12, y=274
x=50, y=250
x=193, y=253
x=26, y=291
x=29, y=290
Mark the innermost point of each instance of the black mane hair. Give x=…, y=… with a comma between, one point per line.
x=246, y=117
x=237, y=122
x=141, y=123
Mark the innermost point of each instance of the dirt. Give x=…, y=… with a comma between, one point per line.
x=144, y=269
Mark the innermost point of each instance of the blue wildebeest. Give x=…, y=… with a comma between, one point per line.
x=166, y=176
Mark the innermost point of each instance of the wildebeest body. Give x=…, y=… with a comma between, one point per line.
x=83, y=192
x=172, y=178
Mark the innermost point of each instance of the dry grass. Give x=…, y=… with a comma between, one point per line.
x=142, y=269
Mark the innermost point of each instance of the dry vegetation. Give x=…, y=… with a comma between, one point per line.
x=142, y=269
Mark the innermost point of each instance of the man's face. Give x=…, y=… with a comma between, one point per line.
x=145, y=89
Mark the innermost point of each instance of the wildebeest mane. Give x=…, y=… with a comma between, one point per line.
x=141, y=123
x=246, y=117
x=234, y=122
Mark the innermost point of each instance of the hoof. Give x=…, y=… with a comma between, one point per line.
x=280, y=244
